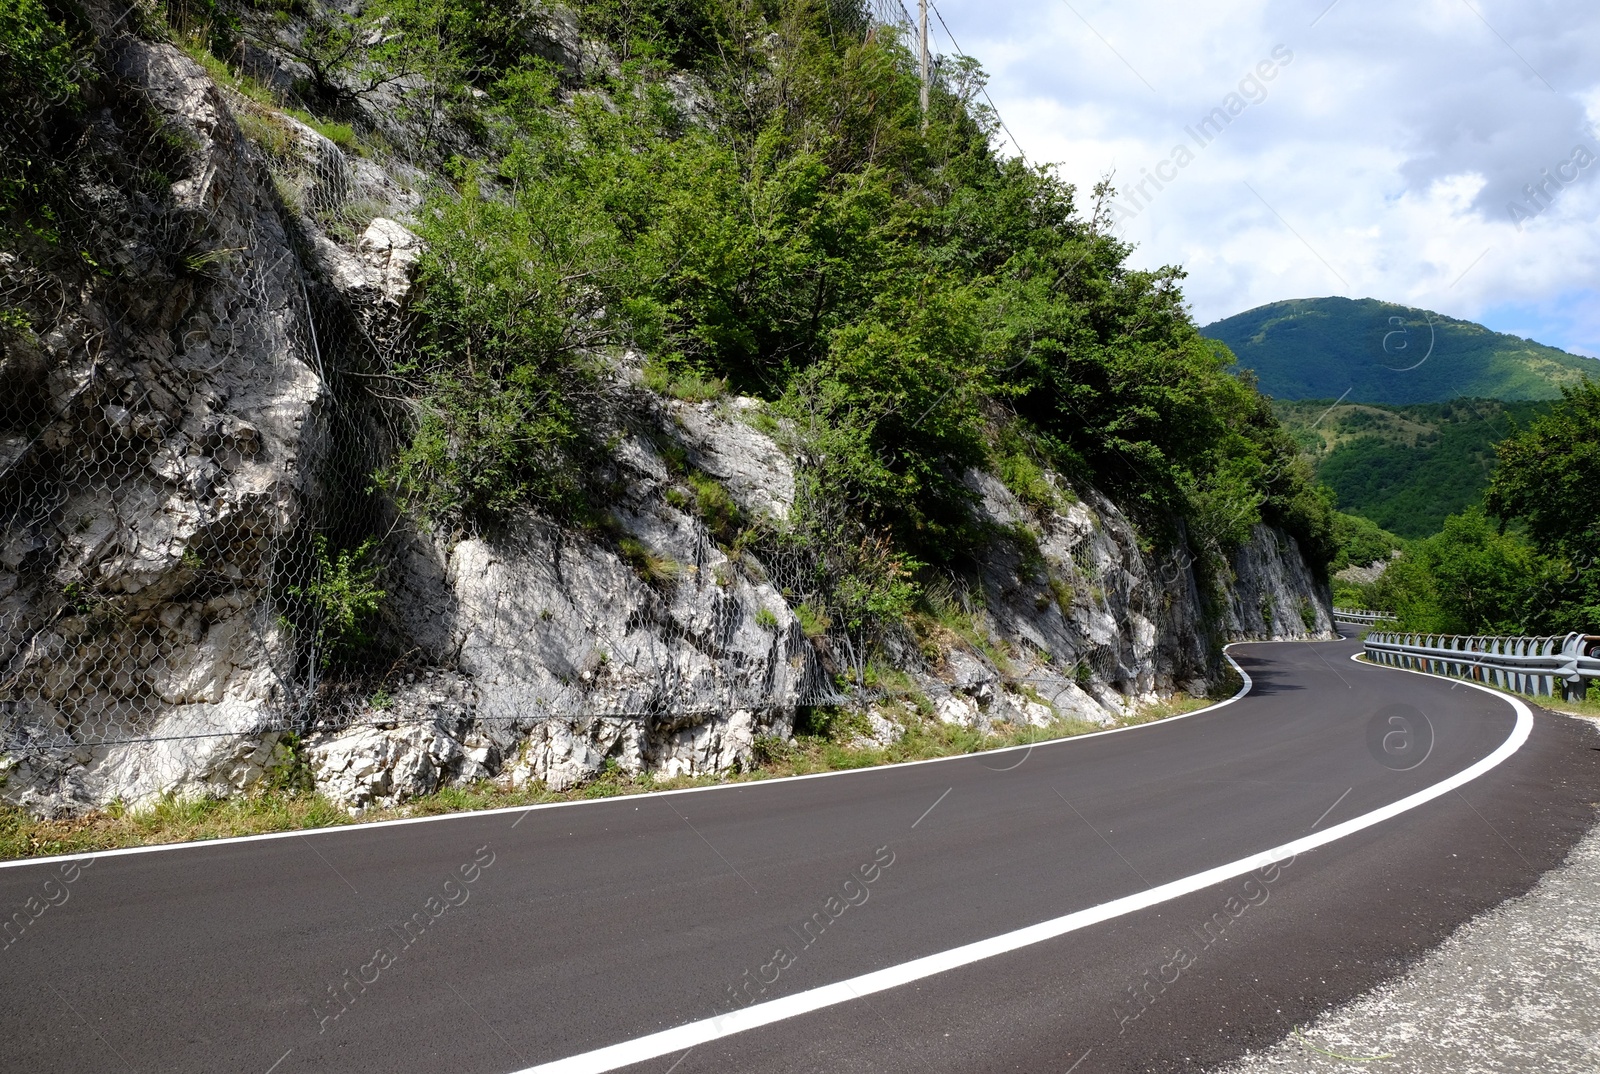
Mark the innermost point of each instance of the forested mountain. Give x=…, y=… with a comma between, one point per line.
x=1524, y=560
x=1405, y=467
x=1368, y=351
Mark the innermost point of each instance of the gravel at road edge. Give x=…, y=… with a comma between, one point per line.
x=1515, y=990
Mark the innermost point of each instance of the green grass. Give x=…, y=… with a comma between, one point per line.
x=1584, y=707
x=1578, y=706
x=660, y=571
x=1161, y=710
x=179, y=820
x=689, y=387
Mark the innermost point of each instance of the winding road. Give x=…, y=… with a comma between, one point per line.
x=1158, y=898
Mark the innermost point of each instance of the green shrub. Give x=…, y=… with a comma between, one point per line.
x=341, y=599
x=511, y=302
x=907, y=304
x=832, y=723
x=1061, y=590
x=770, y=749
x=1361, y=543
x=41, y=77
x=688, y=386
x=40, y=62
x=814, y=622
x=340, y=134
x=288, y=772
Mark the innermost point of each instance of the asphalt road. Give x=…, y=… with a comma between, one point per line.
x=499, y=942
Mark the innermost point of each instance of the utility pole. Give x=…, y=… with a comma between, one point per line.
x=923, y=55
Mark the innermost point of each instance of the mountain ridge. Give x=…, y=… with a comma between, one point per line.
x=1371, y=351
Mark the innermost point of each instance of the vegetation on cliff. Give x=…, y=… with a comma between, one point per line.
x=744, y=193
x=747, y=195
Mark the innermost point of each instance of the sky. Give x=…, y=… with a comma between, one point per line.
x=1368, y=148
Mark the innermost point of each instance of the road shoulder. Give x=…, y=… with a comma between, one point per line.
x=1515, y=989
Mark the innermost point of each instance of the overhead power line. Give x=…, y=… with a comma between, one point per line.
x=984, y=89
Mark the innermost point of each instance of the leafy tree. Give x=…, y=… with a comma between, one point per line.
x=40, y=63
x=747, y=196
x=1469, y=578
x=1361, y=542
x=41, y=74
x=1549, y=476
x=1549, y=480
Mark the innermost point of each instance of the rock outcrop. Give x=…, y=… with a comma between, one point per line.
x=164, y=460
x=189, y=434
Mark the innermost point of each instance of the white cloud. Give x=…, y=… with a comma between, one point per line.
x=1383, y=158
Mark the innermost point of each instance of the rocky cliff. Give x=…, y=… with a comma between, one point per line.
x=199, y=399
x=161, y=445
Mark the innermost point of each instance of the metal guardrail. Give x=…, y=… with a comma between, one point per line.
x=1361, y=615
x=1524, y=665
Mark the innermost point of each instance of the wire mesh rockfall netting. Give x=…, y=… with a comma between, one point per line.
x=201, y=298
x=159, y=360
x=204, y=314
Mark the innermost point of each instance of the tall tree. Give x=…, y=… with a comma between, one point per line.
x=1549, y=478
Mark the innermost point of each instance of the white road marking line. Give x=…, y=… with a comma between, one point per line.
x=655, y=1045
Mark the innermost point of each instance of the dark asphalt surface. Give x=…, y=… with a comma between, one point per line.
x=562, y=930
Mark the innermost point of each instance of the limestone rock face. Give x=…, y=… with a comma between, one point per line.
x=720, y=441
x=1273, y=596
x=413, y=740
x=380, y=271
x=672, y=662
x=1094, y=627
x=178, y=431
x=174, y=402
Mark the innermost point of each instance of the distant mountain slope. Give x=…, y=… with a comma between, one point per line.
x=1378, y=352
x=1405, y=468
